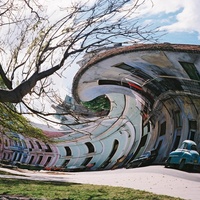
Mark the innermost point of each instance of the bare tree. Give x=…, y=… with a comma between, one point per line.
x=35, y=44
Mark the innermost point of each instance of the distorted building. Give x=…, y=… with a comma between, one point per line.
x=154, y=93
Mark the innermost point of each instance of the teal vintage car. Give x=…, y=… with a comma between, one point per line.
x=185, y=157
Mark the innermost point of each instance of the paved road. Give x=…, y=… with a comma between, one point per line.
x=156, y=179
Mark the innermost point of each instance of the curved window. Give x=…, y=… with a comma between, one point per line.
x=39, y=160
x=90, y=147
x=38, y=144
x=114, y=149
x=48, y=148
x=65, y=163
x=68, y=151
x=115, y=146
x=14, y=156
x=47, y=162
x=19, y=157
x=31, y=160
x=6, y=143
x=163, y=128
x=191, y=70
x=31, y=144
x=86, y=161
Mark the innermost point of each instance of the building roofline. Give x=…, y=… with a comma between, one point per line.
x=188, y=48
x=144, y=47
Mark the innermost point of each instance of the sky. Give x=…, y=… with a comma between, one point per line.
x=180, y=19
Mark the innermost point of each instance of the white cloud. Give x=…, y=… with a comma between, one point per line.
x=188, y=19
x=158, y=6
x=186, y=13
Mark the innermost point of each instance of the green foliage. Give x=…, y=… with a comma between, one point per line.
x=61, y=190
x=98, y=104
x=2, y=85
x=11, y=121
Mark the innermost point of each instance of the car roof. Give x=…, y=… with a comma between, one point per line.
x=189, y=142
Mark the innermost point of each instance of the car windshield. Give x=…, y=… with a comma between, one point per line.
x=193, y=147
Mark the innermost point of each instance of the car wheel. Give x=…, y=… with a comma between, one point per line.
x=167, y=163
x=182, y=165
x=190, y=168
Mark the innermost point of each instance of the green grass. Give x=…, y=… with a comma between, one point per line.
x=47, y=190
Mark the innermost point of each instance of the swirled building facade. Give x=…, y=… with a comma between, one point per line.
x=154, y=95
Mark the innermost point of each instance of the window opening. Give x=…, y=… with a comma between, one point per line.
x=68, y=151
x=176, y=143
x=193, y=125
x=15, y=156
x=86, y=161
x=38, y=144
x=48, y=148
x=31, y=160
x=90, y=147
x=124, y=67
x=114, y=149
x=192, y=135
x=39, y=160
x=163, y=128
x=6, y=143
x=65, y=163
x=192, y=129
x=177, y=119
x=31, y=144
x=142, y=143
x=19, y=156
x=47, y=162
x=191, y=70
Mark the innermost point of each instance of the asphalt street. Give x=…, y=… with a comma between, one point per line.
x=155, y=179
